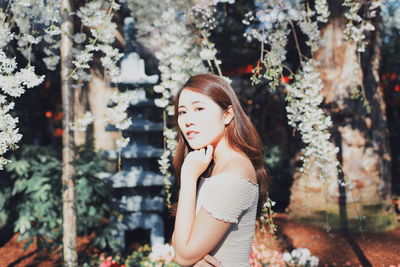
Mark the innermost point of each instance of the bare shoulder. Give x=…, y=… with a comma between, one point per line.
x=242, y=166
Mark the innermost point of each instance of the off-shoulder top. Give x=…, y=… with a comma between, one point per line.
x=233, y=199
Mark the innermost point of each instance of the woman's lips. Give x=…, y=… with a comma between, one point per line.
x=191, y=134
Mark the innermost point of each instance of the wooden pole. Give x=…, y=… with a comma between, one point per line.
x=68, y=173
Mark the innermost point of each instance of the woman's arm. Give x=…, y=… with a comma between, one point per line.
x=195, y=236
x=205, y=235
x=206, y=261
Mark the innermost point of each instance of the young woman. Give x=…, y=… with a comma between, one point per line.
x=223, y=182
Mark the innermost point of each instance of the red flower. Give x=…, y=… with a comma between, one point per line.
x=48, y=114
x=58, y=132
x=285, y=79
x=109, y=262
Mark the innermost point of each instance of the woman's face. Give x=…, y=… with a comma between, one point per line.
x=200, y=119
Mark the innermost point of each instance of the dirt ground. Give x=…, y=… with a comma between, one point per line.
x=367, y=249
x=334, y=248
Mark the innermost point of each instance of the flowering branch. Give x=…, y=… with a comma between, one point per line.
x=178, y=57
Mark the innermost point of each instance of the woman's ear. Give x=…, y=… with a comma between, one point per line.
x=228, y=115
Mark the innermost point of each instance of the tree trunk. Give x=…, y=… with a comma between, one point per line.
x=99, y=94
x=361, y=136
x=68, y=179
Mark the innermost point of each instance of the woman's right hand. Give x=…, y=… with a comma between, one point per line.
x=208, y=261
x=196, y=162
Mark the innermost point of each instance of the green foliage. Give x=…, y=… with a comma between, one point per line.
x=273, y=157
x=37, y=190
x=138, y=256
x=142, y=257
x=5, y=194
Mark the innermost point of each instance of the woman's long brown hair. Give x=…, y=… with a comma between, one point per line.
x=241, y=134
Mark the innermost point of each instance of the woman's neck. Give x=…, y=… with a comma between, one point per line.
x=222, y=153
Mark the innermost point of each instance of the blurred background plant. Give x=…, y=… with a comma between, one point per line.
x=33, y=187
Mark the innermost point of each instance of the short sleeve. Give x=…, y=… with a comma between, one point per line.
x=228, y=196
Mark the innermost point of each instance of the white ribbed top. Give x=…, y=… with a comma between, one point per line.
x=233, y=199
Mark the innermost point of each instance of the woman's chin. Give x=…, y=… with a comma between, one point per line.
x=197, y=146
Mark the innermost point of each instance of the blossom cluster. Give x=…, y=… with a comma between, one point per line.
x=39, y=22
x=203, y=16
x=117, y=113
x=269, y=25
x=310, y=27
x=5, y=34
x=168, y=31
x=356, y=26
x=304, y=94
x=322, y=10
x=14, y=81
x=303, y=112
x=31, y=15
x=97, y=16
x=81, y=124
x=300, y=257
x=203, y=13
x=12, y=84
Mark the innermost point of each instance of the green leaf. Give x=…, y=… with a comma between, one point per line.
x=19, y=186
x=20, y=167
x=22, y=224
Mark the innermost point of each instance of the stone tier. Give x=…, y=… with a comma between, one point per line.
x=136, y=177
x=141, y=203
x=135, y=151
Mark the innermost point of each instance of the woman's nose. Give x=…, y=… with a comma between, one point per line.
x=188, y=123
x=188, y=120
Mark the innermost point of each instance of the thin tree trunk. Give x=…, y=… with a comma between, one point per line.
x=68, y=180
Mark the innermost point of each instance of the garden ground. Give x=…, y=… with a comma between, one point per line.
x=378, y=249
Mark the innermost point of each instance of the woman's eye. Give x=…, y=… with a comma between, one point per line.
x=199, y=109
x=181, y=112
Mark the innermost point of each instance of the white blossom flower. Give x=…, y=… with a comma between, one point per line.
x=207, y=54
x=357, y=26
x=170, y=134
x=310, y=28
x=158, y=88
x=5, y=35
x=303, y=112
x=7, y=65
x=300, y=257
x=105, y=33
x=51, y=62
x=82, y=59
x=79, y=38
x=161, y=102
x=11, y=86
x=225, y=1
x=227, y=79
x=122, y=142
x=92, y=14
x=81, y=124
x=164, y=253
x=53, y=30
x=177, y=52
x=29, y=78
x=322, y=9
